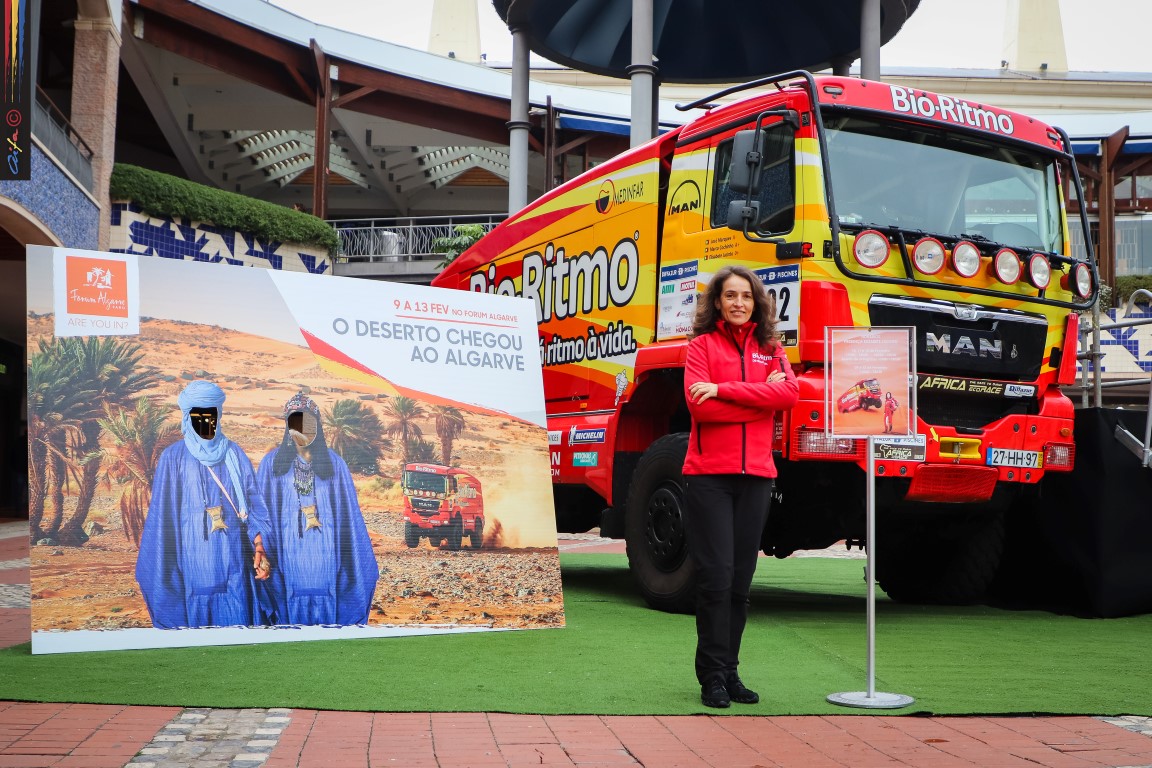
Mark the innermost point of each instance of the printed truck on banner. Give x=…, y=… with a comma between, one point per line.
x=260, y=454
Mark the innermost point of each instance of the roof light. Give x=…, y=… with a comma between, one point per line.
x=1079, y=281
x=928, y=255
x=871, y=248
x=1039, y=271
x=1006, y=266
x=965, y=259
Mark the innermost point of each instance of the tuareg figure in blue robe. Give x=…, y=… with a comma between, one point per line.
x=202, y=549
x=326, y=571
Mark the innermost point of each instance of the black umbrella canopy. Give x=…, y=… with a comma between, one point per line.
x=701, y=41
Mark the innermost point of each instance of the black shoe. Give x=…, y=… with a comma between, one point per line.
x=738, y=693
x=713, y=694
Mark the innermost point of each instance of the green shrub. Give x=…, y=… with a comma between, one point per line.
x=466, y=236
x=161, y=195
x=1129, y=284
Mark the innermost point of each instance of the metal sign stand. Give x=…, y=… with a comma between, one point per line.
x=871, y=699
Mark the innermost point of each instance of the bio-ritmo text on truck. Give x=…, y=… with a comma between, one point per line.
x=859, y=204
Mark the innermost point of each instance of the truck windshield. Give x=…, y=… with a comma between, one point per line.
x=425, y=481
x=920, y=179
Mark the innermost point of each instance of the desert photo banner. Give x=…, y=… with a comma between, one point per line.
x=225, y=455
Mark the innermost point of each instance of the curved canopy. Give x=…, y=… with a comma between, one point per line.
x=718, y=41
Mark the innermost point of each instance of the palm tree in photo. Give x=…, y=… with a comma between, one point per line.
x=109, y=367
x=402, y=414
x=137, y=438
x=354, y=431
x=57, y=401
x=420, y=450
x=449, y=425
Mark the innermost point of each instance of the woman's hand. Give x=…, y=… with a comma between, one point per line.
x=776, y=376
x=703, y=390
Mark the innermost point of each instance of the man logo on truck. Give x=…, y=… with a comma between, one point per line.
x=685, y=198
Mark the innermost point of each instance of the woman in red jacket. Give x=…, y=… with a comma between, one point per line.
x=736, y=377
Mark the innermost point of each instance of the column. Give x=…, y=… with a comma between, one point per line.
x=95, y=82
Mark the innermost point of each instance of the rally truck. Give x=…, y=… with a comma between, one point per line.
x=442, y=504
x=858, y=204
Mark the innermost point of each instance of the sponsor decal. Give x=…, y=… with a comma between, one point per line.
x=686, y=198
x=1019, y=390
x=912, y=448
x=555, y=436
x=609, y=196
x=968, y=386
x=585, y=458
x=950, y=110
x=678, y=271
x=688, y=285
x=605, y=196
x=583, y=435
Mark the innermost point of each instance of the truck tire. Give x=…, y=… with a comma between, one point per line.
x=454, y=534
x=952, y=564
x=411, y=535
x=476, y=538
x=654, y=531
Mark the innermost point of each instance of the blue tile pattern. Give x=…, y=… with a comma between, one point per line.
x=54, y=198
x=136, y=232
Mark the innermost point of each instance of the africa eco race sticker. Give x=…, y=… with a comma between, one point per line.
x=95, y=294
x=912, y=448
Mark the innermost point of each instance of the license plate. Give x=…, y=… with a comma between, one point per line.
x=1003, y=457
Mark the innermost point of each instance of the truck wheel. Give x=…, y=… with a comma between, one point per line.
x=654, y=527
x=476, y=538
x=944, y=565
x=411, y=535
x=454, y=534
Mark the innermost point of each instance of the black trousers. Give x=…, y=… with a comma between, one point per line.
x=725, y=518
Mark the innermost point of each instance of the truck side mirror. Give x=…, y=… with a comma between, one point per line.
x=744, y=176
x=741, y=214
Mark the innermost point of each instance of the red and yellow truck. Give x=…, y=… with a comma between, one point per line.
x=859, y=204
x=442, y=504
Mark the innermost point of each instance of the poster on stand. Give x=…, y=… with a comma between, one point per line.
x=227, y=455
x=869, y=383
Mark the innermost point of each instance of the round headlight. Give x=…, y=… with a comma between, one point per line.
x=1039, y=271
x=1082, y=280
x=966, y=259
x=928, y=255
x=1006, y=266
x=871, y=249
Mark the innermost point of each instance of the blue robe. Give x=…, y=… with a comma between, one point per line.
x=324, y=575
x=189, y=574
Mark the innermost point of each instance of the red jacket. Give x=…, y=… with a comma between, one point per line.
x=732, y=432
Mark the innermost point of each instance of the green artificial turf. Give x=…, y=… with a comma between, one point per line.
x=806, y=638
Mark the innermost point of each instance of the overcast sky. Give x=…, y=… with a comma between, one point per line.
x=1101, y=35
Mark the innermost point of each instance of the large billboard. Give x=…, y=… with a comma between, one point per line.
x=223, y=455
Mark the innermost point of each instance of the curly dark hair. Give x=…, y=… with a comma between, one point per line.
x=763, y=313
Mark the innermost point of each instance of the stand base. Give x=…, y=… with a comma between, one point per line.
x=876, y=701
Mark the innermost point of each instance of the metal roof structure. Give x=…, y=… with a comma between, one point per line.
x=719, y=41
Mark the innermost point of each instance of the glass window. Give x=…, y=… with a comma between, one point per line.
x=943, y=183
x=777, y=182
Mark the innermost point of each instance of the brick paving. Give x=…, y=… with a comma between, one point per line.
x=35, y=735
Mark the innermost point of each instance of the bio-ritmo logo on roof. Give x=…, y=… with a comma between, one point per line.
x=97, y=287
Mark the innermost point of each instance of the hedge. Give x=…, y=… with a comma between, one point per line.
x=161, y=195
x=1129, y=284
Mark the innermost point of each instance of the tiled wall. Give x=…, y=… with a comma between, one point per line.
x=55, y=199
x=137, y=232
x=1127, y=350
